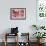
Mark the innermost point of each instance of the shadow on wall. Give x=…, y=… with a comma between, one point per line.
x=6, y=31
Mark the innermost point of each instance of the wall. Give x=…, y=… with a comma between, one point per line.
x=24, y=25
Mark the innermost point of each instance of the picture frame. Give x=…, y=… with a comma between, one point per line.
x=17, y=13
x=41, y=8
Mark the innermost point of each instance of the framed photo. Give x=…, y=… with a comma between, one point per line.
x=17, y=13
x=41, y=8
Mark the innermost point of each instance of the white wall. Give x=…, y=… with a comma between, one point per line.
x=24, y=25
